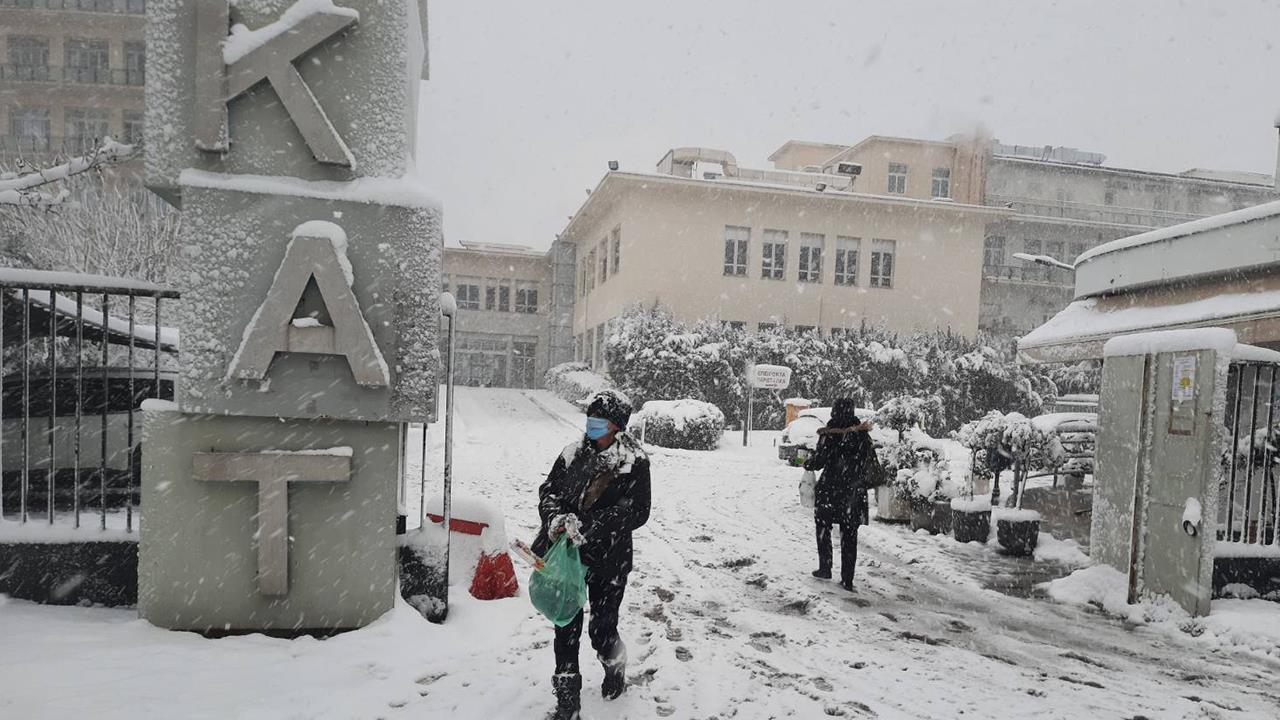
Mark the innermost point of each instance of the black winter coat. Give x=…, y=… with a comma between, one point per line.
x=607, y=525
x=840, y=495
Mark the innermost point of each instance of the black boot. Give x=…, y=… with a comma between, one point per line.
x=568, y=689
x=822, y=573
x=615, y=673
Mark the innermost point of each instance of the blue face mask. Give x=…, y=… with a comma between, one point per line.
x=597, y=427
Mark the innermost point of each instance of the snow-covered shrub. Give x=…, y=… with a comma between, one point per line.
x=1082, y=377
x=905, y=412
x=683, y=424
x=575, y=382
x=1001, y=441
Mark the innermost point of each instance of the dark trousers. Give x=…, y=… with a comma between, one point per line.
x=848, y=546
x=604, y=594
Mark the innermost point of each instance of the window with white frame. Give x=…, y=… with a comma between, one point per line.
x=588, y=348
x=811, y=257
x=736, y=241
x=847, y=250
x=600, y=335
x=615, y=239
x=882, y=252
x=941, y=182
x=897, y=178
x=591, y=265
x=527, y=298
x=468, y=294
x=773, y=253
x=604, y=260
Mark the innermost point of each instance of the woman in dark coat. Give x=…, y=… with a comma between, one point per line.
x=598, y=492
x=844, y=455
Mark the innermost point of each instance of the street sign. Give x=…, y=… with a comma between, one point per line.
x=770, y=377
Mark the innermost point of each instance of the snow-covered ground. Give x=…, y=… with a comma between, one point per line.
x=721, y=617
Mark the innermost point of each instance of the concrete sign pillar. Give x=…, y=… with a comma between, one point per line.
x=309, y=265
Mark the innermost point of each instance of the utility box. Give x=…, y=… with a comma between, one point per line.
x=1162, y=439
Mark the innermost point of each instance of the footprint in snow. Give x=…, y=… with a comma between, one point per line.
x=683, y=654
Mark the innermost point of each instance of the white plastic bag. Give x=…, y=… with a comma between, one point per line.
x=807, y=483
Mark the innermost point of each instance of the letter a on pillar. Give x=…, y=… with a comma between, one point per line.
x=317, y=250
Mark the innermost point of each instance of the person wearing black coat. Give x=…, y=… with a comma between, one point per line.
x=598, y=492
x=844, y=455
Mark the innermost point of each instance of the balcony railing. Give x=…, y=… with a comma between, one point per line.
x=791, y=177
x=1138, y=217
x=39, y=148
x=76, y=75
x=120, y=7
x=1037, y=274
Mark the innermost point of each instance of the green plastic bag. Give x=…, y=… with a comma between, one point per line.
x=559, y=589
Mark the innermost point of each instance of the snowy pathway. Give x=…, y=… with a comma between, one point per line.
x=721, y=618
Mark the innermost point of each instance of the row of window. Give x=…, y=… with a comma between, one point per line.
x=132, y=7
x=84, y=60
x=601, y=262
x=588, y=347
x=30, y=127
x=897, y=185
x=497, y=294
x=773, y=256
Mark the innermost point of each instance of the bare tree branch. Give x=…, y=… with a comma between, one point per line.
x=20, y=188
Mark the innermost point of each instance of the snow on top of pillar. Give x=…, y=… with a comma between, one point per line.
x=243, y=41
x=398, y=192
x=1221, y=340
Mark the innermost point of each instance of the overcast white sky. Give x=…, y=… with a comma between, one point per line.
x=529, y=100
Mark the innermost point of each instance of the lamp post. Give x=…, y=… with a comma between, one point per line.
x=1045, y=260
x=449, y=309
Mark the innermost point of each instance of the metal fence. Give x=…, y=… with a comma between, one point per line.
x=1247, y=509
x=80, y=354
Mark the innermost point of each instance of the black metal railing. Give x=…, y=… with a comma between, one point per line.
x=124, y=7
x=80, y=354
x=79, y=75
x=1248, y=511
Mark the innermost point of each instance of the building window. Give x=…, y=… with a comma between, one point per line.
x=468, y=294
x=524, y=363
x=615, y=238
x=847, y=250
x=135, y=6
x=1077, y=249
x=941, y=182
x=84, y=128
x=805, y=329
x=590, y=270
x=736, y=325
x=135, y=63
x=897, y=178
x=582, y=278
x=773, y=264
x=1055, y=249
x=736, y=240
x=1109, y=198
x=526, y=298
x=993, y=251
x=1032, y=246
x=588, y=346
x=86, y=61
x=577, y=347
x=28, y=58
x=30, y=128
x=600, y=335
x=132, y=127
x=604, y=260
x=882, y=252
x=766, y=326
x=811, y=257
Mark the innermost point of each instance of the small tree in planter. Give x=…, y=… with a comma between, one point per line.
x=971, y=517
x=928, y=491
x=893, y=502
x=1029, y=447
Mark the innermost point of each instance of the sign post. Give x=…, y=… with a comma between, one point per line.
x=770, y=377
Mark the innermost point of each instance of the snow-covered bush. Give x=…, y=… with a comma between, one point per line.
x=653, y=357
x=1001, y=441
x=575, y=382
x=683, y=424
x=905, y=412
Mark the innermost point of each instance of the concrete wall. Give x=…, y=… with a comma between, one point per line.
x=672, y=243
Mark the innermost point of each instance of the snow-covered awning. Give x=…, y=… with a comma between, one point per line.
x=1079, y=331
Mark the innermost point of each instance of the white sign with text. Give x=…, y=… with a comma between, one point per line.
x=770, y=377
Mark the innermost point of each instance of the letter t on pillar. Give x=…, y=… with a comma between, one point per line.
x=213, y=18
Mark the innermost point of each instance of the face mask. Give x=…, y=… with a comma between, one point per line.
x=597, y=427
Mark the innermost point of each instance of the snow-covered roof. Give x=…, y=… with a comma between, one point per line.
x=1078, y=331
x=1242, y=240
x=493, y=247
x=1235, y=176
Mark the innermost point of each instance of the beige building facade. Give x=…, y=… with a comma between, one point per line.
x=504, y=295
x=71, y=72
x=784, y=247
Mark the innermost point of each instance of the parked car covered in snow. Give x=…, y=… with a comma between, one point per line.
x=800, y=438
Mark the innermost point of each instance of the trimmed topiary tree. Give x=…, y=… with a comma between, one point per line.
x=681, y=424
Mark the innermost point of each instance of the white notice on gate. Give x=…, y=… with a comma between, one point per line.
x=1184, y=377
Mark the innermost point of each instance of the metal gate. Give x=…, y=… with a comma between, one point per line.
x=1247, y=510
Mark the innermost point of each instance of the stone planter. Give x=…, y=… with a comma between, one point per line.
x=934, y=517
x=971, y=520
x=1018, y=531
x=892, y=505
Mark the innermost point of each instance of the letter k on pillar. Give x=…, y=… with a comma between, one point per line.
x=227, y=66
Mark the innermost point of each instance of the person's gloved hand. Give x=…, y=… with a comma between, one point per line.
x=569, y=523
